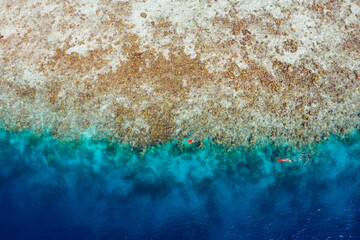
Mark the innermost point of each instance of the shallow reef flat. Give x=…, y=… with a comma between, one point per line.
x=147, y=72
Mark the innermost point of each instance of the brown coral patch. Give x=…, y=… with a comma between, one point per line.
x=63, y=62
x=352, y=44
x=161, y=122
x=169, y=79
x=291, y=45
x=245, y=78
x=294, y=78
x=166, y=75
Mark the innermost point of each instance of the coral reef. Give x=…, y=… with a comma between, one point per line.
x=144, y=72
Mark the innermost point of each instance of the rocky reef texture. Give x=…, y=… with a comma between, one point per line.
x=143, y=72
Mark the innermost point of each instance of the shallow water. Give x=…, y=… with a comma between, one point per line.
x=96, y=190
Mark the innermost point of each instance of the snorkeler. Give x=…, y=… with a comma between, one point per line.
x=196, y=142
x=284, y=160
x=304, y=158
x=193, y=140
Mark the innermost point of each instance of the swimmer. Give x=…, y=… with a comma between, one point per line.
x=284, y=160
x=193, y=140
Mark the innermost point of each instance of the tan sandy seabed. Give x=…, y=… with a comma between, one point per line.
x=237, y=72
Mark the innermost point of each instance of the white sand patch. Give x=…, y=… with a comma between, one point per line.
x=33, y=78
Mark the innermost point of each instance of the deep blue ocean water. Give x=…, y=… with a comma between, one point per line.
x=98, y=190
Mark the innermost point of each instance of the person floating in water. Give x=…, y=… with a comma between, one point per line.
x=304, y=158
x=193, y=140
x=284, y=160
x=196, y=142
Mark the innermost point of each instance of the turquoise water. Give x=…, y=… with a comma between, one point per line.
x=101, y=190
